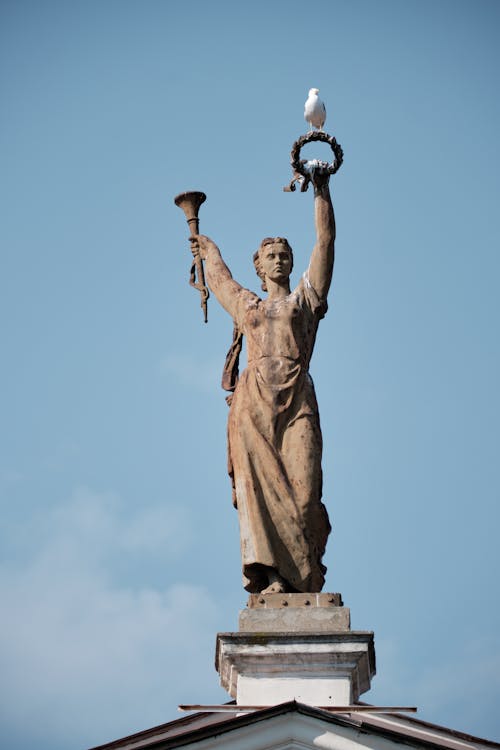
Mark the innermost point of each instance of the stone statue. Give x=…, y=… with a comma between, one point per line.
x=274, y=436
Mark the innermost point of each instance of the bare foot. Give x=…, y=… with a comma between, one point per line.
x=276, y=583
x=275, y=588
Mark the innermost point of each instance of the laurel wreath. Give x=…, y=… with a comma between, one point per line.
x=317, y=135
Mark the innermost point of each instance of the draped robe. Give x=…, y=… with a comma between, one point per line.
x=275, y=443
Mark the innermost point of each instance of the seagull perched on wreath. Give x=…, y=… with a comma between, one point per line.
x=314, y=110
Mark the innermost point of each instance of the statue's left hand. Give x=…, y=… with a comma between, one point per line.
x=320, y=177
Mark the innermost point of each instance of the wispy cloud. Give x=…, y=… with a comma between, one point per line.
x=466, y=685
x=101, y=517
x=457, y=691
x=90, y=659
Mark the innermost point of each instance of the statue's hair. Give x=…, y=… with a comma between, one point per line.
x=256, y=256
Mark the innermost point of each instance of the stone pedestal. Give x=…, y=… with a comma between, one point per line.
x=285, y=613
x=295, y=647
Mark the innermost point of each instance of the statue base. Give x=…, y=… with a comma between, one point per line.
x=317, y=613
x=295, y=647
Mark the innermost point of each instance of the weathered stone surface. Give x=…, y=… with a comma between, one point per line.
x=274, y=436
x=294, y=613
x=314, y=619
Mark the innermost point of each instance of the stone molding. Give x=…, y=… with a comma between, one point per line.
x=322, y=669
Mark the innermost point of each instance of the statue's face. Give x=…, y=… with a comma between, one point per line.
x=276, y=262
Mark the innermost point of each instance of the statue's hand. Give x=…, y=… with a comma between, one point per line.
x=200, y=244
x=320, y=176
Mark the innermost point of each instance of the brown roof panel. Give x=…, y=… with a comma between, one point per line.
x=201, y=725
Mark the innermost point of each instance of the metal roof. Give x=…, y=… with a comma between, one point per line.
x=394, y=726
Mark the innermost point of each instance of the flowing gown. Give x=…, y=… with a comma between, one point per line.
x=275, y=444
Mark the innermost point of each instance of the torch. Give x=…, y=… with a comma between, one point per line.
x=190, y=203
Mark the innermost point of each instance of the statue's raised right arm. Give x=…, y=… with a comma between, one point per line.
x=219, y=277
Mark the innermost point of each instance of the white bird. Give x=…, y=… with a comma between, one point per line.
x=314, y=110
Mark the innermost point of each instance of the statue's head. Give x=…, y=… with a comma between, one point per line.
x=273, y=259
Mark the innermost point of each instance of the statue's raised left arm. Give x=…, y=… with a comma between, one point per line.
x=323, y=254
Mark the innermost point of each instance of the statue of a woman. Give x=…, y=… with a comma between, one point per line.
x=274, y=436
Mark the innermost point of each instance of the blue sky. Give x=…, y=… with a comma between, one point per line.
x=119, y=553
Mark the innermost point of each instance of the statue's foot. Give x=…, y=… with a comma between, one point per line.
x=275, y=588
x=277, y=585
